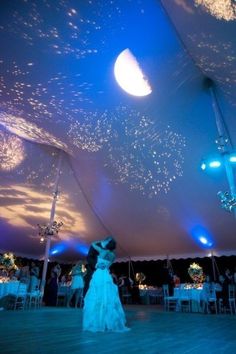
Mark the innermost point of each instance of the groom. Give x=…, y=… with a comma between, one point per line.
x=108, y=243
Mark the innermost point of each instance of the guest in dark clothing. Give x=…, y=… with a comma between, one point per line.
x=224, y=293
x=51, y=289
x=168, y=278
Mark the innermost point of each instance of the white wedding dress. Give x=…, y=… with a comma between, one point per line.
x=102, y=307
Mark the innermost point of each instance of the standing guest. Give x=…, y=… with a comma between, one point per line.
x=228, y=276
x=114, y=277
x=63, y=280
x=167, y=278
x=34, y=277
x=125, y=284
x=57, y=270
x=77, y=284
x=224, y=293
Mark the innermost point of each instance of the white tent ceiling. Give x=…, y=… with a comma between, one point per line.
x=131, y=165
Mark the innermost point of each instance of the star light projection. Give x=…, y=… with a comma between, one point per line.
x=220, y=9
x=57, y=97
x=36, y=22
x=12, y=151
x=92, y=131
x=30, y=131
x=145, y=154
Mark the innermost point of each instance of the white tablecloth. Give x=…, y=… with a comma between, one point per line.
x=147, y=293
x=8, y=288
x=195, y=295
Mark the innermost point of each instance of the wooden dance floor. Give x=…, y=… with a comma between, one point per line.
x=153, y=331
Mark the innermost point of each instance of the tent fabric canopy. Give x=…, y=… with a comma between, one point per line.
x=131, y=165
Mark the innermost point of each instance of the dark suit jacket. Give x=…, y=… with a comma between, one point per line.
x=92, y=257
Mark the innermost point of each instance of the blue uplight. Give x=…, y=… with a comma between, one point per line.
x=57, y=249
x=215, y=164
x=202, y=236
x=203, y=240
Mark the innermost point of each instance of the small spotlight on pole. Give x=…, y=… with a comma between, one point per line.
x=215, y=164
x=232, y=158
x=203, y=166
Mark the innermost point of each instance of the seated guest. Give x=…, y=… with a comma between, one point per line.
x=176, y=281
x=24, y=275
x=34, y=277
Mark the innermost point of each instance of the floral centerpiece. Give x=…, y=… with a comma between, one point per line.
x=140, y=277
x=7, y=261
x=195, y=272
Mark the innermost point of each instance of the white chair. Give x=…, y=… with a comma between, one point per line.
x=125, y=295
x=212, y=299
x=18, y=300
x=32, y=299
x=232, y=299
x=185, y=300
x=156, y=297
x=170, y=302
x=62, y=295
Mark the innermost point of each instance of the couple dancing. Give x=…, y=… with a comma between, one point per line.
x=102, y=309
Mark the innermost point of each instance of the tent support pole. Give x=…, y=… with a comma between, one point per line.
x=223, y=141
x=51, y=220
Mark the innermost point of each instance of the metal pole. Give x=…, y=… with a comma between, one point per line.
x=52, y=214
x=129, y=267
x=223, y=141
x=213, y=266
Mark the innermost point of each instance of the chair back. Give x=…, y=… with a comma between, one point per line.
x=22, y=289
x=231, y=291
x=165, y=288
x=185, y=293
x=212, y=293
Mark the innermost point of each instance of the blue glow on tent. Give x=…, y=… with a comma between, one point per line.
x=82, y=248
x=57, y=249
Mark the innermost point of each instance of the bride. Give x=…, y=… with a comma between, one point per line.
x=102, y=307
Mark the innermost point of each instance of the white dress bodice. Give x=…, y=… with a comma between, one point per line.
x=103, y=263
